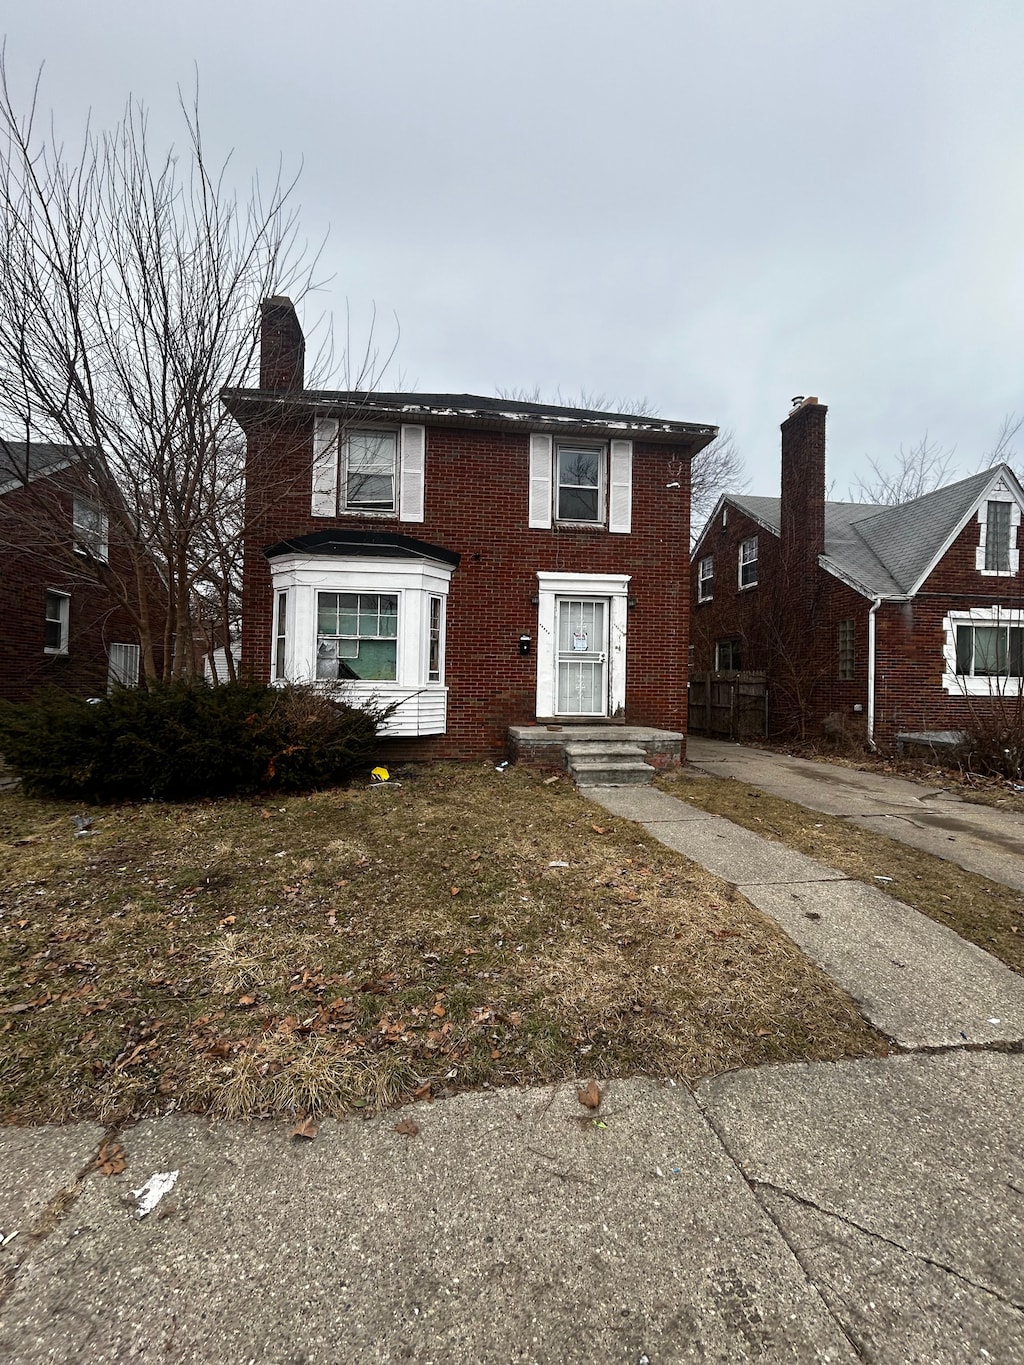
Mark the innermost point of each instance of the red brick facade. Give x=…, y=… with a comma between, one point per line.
x=789, y=624
x=31, y=567
x=476, y=504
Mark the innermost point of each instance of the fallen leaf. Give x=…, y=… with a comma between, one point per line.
x=246, y=1000
x=439, y=1010
x=422, y=1092
x=600, y=829
x=589, y=1095
x=306, y=1128
x=111, y=1158
x=763, y=1032
x=407, y=1128
x=265, y=813
x=228, y=919
x=455, y=890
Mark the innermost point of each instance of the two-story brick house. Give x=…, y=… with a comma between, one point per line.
x=475, y=562
x=892, y=620
x=62, y=627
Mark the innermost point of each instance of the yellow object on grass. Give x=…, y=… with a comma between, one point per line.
x=379, y=775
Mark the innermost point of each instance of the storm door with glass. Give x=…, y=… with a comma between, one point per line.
x=581, y=671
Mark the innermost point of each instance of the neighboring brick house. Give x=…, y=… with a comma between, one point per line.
x=482, y=562
x=61, y=626
x=888, y=620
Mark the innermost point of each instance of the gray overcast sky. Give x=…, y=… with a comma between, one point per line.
x=716, y=204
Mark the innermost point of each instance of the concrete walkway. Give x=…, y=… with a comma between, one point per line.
x=979, y=838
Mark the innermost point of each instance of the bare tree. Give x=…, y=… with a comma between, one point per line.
x=1005, y=451
x=130, y=285
x=914, y=472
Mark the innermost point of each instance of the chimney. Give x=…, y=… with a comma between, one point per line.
x=282, y=346
x=802, y=514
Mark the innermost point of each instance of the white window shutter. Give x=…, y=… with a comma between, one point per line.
x=413, y=469
x=620, y=487
x=540, y=481
x=325, y=467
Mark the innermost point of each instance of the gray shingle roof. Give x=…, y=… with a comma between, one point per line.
x=20, y=463
x=886, y=551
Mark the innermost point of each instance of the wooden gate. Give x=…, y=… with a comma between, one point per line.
x=729, y=705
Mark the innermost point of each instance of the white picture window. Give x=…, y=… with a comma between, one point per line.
x=357, y=636
x=748, y=562
x=58, y=615
x=984, y=652
x=123, y=666
x=706, y=579
x=90, y=529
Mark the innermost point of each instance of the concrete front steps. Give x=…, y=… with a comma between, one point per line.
x=597, y=755
x=593, y=764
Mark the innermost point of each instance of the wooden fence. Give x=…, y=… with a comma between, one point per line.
x=729, y=705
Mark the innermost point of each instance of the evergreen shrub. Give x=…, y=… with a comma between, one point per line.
x=185, y=740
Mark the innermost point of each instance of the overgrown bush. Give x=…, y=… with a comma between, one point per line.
x=993, y=741
x=183, y=740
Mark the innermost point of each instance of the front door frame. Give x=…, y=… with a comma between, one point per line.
x=614, y=588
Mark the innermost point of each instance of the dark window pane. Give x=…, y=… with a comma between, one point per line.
x=577, y=504
x=997, y=537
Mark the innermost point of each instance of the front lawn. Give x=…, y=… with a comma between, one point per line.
x=356, y=948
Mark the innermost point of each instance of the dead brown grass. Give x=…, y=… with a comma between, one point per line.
x=982, y=911
x=352, y=949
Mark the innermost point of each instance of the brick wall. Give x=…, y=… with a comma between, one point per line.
x=31, y=566
x=476, y=504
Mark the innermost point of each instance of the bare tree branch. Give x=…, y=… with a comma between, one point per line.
x=914, y=472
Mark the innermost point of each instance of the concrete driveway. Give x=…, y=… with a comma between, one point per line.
x=982, y=839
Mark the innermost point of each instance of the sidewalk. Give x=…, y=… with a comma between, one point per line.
x=861, y=1210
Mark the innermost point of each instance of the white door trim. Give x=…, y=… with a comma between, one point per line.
x=613, y=587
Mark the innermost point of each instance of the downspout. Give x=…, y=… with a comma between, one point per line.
x=871, y=674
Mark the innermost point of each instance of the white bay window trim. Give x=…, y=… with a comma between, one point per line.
x=422, y=703
x=984, y=685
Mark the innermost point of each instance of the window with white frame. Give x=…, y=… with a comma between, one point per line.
x=1000, y=517
x=748, y=562
x=280, y=636
x=368, y=471
x=984, y=652
x=580, y=483
x=357, y=636
x=58, y=614
x=123, y=666
x=706, y=579
x=580, y=479
x=371, y=625
x=90, y=529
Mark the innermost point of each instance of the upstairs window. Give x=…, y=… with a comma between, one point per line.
x=371, y=459
x=580, y=471
x=846, y=659
x=90, y=529
x=997, y=537
x=55, y=634
x=706, y=579
x=357, y=635
x=997, y=551
x=748, y=562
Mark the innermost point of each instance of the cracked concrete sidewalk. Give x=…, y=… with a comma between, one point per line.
x=865, y=1210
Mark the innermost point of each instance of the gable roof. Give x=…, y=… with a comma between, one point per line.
x=21, y=462
x=470, y=409
x=889, y=551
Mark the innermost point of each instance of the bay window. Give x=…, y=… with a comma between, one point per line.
x=984, y=652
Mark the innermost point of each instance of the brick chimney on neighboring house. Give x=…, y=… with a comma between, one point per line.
x=802, y=514
x=282, y=346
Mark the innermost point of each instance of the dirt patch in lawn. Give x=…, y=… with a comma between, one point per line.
x=352, y=949
x=982, y=911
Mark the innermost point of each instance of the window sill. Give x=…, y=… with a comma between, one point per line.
x=746, y=587
x=579, y=526
x=370, y=512
x=997, y=573
x=56, y=653
x=704, y=601
x=959, y=686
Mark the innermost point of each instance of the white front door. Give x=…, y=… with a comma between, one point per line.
x=581, y=671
